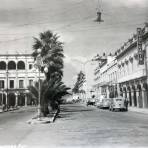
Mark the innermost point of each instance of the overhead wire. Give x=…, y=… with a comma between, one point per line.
x=71, y=24
x=41, y=21
x=84, y=29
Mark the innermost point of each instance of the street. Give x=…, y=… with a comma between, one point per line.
x=78, y=126
x=13, y=127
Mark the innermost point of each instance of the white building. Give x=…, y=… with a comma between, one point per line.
x=132, y=76
x=106, y=78
x=17, y=72
x=128, y=72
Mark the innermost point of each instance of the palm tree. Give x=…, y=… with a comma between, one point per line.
x=51, y=94
x=52, y=89
x=79, y=83
x=51, y=53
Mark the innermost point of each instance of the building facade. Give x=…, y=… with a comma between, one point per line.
x=17, y=72
x=106, y=80
x=127, y=74
x=133, y=76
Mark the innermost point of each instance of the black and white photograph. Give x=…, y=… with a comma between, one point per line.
x=73, y=73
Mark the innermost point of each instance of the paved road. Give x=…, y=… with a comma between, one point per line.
x=13, y=126
x=81, y=126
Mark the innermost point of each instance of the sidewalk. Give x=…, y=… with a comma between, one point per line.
x=8, y=110
x=15, y=108
x=139, y=110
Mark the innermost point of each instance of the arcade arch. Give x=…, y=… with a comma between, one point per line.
x=2, y=65
x=20, y=65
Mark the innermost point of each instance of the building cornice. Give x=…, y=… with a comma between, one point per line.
x=10, y=55
x=131, y=46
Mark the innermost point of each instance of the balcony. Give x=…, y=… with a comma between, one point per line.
x=135, y=75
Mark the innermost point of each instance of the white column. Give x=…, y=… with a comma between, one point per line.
x=132, y=96
x=2, y=98
x=144, y=98
x=25, y=99
x=16, y=99
x=6, y=99
x=137, y=98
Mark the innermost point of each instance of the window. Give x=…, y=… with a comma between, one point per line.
x=11, y=83
x=20, y=65
x=2, y=65
x=21, y=83
x=30, y=82
x=1, y=83
x=11, y=65
x=30, y=66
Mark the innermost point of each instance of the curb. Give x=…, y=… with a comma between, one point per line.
x=9, y=110
x=138, y=111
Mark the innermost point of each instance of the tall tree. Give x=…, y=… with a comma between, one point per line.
x=79, y=82
x=51, y=92
x=51, y=53
x=52, y=89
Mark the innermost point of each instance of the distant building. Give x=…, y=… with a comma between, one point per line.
x=106, y=78
x=17, y=72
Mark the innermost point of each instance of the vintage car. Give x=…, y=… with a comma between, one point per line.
x=117, y=104
x=90, y=101
x=105, y=103
x=99, y=102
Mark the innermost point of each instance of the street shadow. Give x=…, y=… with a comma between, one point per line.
x=67, y=112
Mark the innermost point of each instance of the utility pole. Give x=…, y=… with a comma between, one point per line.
x=39, y=64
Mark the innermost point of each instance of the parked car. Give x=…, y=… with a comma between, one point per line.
x=117, y=104
x=99, y=102
x=90, y=102
x=105, y=103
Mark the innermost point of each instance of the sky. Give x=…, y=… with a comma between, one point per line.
x=73, y=21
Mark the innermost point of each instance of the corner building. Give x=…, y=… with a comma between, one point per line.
x=17, y=72
x=132, y=76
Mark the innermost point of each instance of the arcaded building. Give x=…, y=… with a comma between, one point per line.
x=133, y=69
x=127, y=74
x=17, y=72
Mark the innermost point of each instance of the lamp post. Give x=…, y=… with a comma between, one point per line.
x=39, y=64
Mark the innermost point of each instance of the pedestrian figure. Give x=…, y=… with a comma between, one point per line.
x=126, y=104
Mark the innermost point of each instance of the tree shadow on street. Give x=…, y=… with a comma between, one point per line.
x=69, y=111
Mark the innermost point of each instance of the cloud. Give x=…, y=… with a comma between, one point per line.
x=66, y=37
x=128, y=3
x=76, y=59
x=76, y=62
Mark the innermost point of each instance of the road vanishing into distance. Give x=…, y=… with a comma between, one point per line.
x=76, y=126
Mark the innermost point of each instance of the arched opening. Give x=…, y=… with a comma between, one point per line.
x=11, y=99
x=130, y=96
x=125, y=92
x=2, y=98
x=140, y=101
x=145, y=86
x=111, y=91
x=2, y=65
x=121, y=92
x=11, y=65
x=21, y=65
x=21, y=99
x=134, y=96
